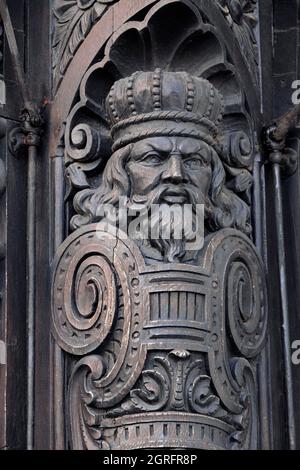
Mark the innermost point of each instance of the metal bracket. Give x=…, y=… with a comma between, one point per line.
x=275, y=138
x=28, y=134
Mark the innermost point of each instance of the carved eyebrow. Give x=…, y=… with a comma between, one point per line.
x=165, y=146
x=145, y=147
x=195, y=152
x=188, y=149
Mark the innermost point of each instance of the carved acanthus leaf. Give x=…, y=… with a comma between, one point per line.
x=175, y=383
x=242, y=18
x=240, y=10
x=73, y=21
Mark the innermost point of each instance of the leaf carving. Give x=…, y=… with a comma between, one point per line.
x=73, y=20
x=201, y=398
x=241, y=17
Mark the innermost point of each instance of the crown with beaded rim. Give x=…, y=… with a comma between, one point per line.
x=149, y=104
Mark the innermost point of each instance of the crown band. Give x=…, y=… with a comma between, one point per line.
x=175, y=116
x=164, y=132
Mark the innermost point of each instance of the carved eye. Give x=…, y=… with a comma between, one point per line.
x=196, y=162
x=151, y=159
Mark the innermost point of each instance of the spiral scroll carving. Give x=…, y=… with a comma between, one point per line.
x=245, y=308
x=85, y=300
x=238, y=150
x=98, y=302
x=83, y=142
x=238, y=308
x=87, y=145
x=212, y=381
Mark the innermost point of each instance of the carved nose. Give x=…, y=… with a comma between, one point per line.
x=175, y=172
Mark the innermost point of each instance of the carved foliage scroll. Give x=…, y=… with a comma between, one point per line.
x=242, y=18
x=73, y=21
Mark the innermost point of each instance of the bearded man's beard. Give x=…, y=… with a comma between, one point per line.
x=165, y=226
x=167, y=234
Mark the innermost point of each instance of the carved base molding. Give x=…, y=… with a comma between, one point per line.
x=171, y=430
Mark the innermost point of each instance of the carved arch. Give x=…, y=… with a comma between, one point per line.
x=117, y=15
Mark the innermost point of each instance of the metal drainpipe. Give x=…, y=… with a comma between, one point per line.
x=284, y=304
x=26, y=138
x=31, y=278
x=275, y=140
x=263, y=369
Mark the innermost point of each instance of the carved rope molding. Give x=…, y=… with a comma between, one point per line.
x=164, y=344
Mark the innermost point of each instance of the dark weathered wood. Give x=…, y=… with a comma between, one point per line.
x=155, y=330
x=16, y=307
x=142, y=111
x=13, y=263
x=11, y=110
x=39, y=79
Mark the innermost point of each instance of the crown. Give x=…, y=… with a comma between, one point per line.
x=149, y=104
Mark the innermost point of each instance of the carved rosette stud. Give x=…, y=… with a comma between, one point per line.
x=171, y=335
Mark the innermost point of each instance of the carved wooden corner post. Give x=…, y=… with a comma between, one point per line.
x=24, y=140
x=163, y=337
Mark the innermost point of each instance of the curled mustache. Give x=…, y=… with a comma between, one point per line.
x=156, y=195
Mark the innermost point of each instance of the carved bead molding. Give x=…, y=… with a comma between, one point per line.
x=73, y=21
x=163, y=342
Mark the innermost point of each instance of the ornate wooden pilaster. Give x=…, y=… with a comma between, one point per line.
x=12, y=255
x=24, y=139
x=162, y=344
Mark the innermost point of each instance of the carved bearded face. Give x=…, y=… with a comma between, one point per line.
x=171, y=170
x=166, y=170
x=165, y=129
